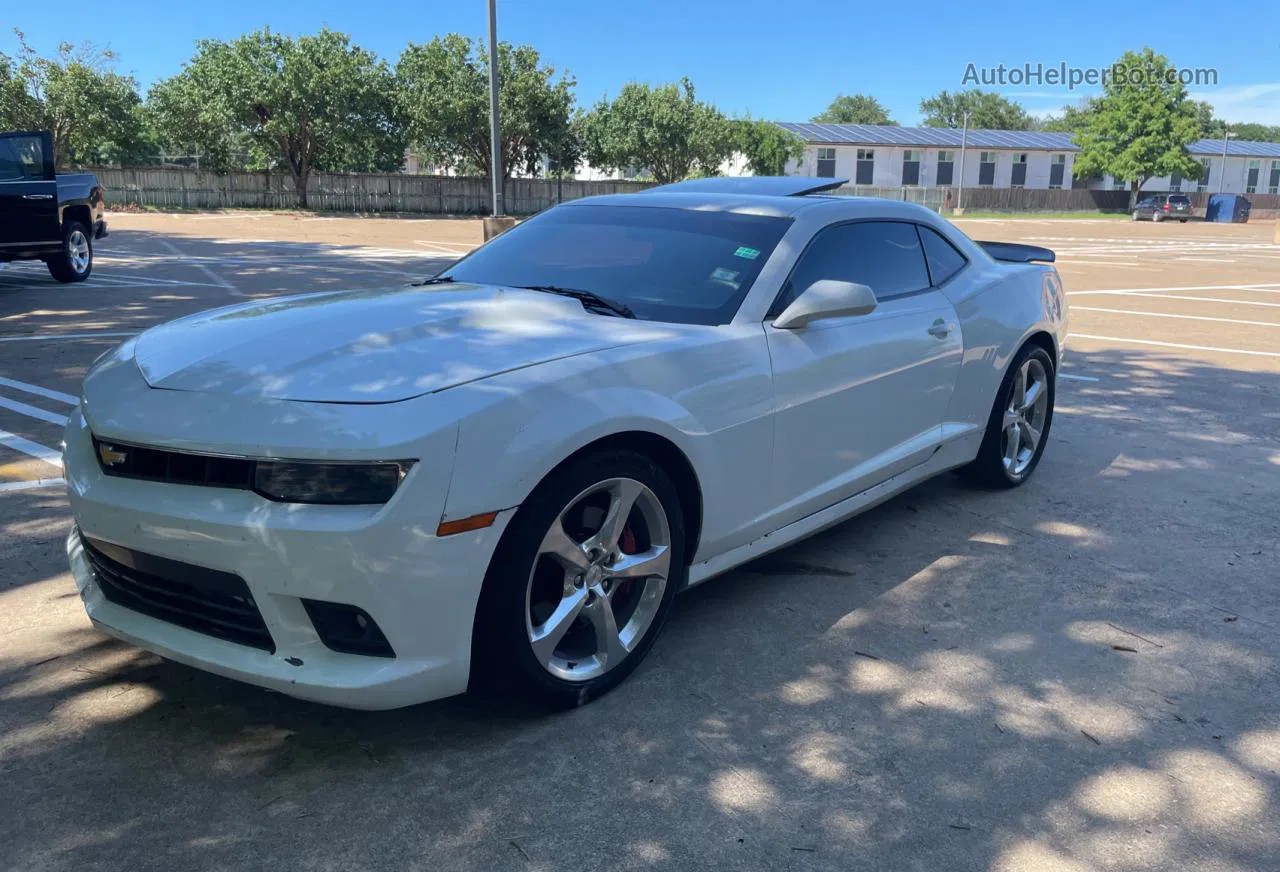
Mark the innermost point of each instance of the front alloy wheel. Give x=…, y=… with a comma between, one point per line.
x=581, y=582
x=598, y=580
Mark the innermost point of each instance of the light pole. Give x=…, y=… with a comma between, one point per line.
x=1222, y=176
x=495, y=141
x=964, y=142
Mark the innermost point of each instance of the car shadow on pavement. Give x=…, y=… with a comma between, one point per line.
x=1077, y=674
x=142, y=278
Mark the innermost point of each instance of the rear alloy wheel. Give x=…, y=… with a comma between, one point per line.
x=1018, y=428
x=1157, y=217
x=75, y=262
x=1136, y=216
x=582, y=581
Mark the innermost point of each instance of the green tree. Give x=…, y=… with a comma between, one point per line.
x=766, y=146
x=445, y=93
x=987, y=111
x=91, y=110
x=1072, y=120
x=1142, y=125
x=312, y=103
x=1256, y=132
x=854, y=109
x=664, y=130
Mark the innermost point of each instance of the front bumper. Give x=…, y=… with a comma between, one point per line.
x=420, y=589
x=100, y=229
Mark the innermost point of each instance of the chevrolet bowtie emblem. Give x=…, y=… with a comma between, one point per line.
x=111, y=455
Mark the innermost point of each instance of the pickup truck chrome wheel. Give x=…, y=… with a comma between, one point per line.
x=598, y=580
x=1024, y=416
x=78, y=251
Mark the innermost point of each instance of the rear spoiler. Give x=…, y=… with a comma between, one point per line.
x=1016, y=252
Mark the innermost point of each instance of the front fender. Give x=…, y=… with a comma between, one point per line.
x=712, y=400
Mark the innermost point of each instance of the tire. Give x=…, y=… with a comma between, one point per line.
x=529, y=592
x=991, y=468
x=75, y=262
x=1182, y=220
x=1157, y=217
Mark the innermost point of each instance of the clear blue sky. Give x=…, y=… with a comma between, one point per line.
x=777, y=60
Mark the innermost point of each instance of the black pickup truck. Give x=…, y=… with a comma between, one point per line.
x=54, y=217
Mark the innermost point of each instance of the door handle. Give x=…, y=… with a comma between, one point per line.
x=939, y=329
x=37, y=196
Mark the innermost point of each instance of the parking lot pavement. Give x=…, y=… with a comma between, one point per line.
x=1079, y=674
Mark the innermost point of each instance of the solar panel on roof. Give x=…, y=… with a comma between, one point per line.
x=872, y=134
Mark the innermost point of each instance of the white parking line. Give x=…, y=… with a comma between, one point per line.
x=200, y=266
x=32, y=411
x=1124, y=341
x=1137, y=295
x=38, y=391
x=31, y=449
x=1253, y=286
x=1073, y=377
x=31, y=485
x=54, y=337
x=1171, y=315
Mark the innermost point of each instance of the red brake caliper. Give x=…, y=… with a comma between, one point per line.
x=627, y=545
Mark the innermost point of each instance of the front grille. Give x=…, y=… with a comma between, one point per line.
x=205, y=600
x=158, y=464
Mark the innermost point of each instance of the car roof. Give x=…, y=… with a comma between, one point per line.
x=770, y=205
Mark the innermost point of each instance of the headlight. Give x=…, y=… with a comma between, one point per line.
x=329, y=483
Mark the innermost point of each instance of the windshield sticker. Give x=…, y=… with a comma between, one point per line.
x=720, y=274
x=748, y=253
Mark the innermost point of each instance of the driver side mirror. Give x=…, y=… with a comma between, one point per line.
x=826, y=298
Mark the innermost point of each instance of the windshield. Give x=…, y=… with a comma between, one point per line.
x=665, y=264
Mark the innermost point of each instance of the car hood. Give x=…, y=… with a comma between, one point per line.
x=374, y=346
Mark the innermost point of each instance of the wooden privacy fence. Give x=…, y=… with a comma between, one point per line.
x=179, y=188
x=1043, y=200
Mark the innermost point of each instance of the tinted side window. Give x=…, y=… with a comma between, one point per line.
x=21, y=158
x=885, y=256
x=944, y=260
x=10, y=169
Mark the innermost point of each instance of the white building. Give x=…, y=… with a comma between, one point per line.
x=895, y=157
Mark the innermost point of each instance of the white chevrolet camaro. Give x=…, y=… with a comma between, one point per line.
x=502, y=477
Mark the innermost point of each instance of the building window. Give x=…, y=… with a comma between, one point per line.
x=1057, y=170
x=1251, y=179
x=1018, y=178
x=946, y=167
x=827, y=163
x=910, y=167
x=1202, y=184
x=866, y=166
x=1273, y=183
x=1175, y=181
x=987, y=168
